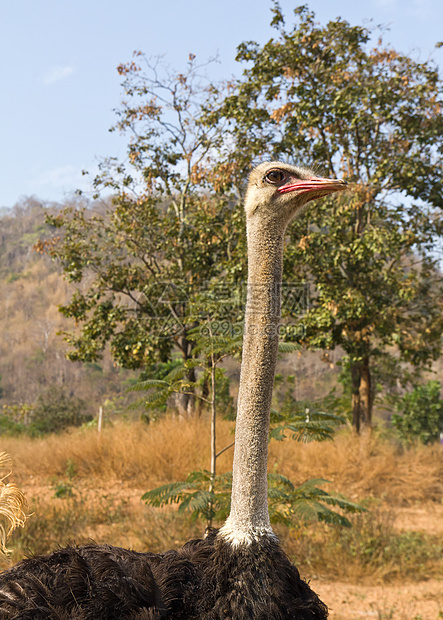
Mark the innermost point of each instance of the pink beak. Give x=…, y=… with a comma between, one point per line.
x=319, y=186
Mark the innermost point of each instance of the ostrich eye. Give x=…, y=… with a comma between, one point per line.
x=274, y=176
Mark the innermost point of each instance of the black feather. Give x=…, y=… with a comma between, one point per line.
x=207, y=579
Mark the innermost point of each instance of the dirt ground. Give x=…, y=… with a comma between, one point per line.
x=421, y=600
x=400, y=601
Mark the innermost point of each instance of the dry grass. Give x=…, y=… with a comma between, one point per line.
x=154, y=454
x=365, y=466
x=105, y=519
x=372, y=551
x=168, y=450
x=150, y=455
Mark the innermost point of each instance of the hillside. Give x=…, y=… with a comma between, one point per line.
x=32, y=351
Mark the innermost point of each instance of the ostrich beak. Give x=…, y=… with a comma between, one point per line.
x=318, y=186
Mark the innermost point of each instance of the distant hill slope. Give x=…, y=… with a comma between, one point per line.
x=32, y=353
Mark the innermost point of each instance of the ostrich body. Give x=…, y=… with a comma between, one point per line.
x=240, y=571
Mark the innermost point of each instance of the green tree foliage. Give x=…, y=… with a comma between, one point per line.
x=325, y=94
x=203, y=493
x=209, y=498
x=293, y=505
x=314, y=94
x=7, y=424
x=303, y=423
x=15, y=419
x=143, y=258
x=302, y=420
x=420, y=414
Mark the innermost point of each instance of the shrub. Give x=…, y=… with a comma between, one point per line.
x=9, y=427
x=421, y=414
x=55, y=411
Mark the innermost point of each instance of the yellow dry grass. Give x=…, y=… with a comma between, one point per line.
x=365, y=466
x=150, y=455
x=142, y=454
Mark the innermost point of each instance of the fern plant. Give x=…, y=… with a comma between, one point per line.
x=304, y=424
x=202, y=494
x=302, y=420
x=209, y=498
x=291, y=505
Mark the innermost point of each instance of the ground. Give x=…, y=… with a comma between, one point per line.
x=410, y=600
x=399, y=601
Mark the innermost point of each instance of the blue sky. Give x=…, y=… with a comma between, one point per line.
x=59, y=78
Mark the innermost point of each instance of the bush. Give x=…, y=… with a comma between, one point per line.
x=14, y=419
x=421, y=414
x=9, y=427
x=55, y=411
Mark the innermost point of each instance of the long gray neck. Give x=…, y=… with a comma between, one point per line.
x=249, y=516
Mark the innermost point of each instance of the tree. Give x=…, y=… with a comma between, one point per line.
x=205, y=492
x=142, y=258
x=372, y=115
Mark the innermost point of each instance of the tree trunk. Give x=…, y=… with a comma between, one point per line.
x=185, y=403
x=366, y=393
x=205, y=393
x=361, y=394
x=355, y=397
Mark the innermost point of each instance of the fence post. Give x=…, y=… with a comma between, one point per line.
x=100, y=419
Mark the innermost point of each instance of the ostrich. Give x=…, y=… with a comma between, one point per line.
x=240, y=571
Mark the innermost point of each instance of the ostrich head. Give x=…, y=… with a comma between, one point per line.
x=277, y=191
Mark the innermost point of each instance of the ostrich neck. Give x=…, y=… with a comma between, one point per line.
x=249, y=516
